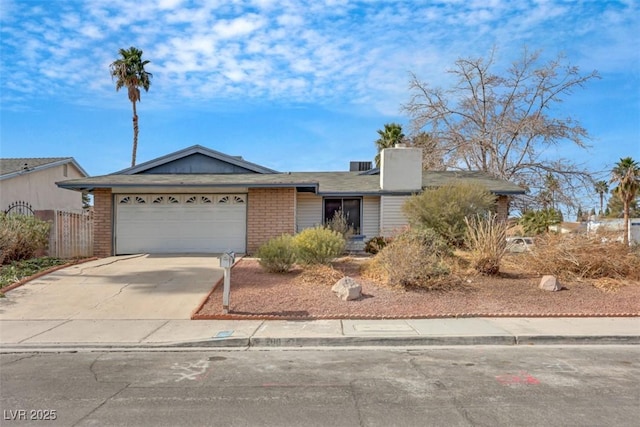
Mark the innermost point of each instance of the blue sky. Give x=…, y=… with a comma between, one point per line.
x=292, y=85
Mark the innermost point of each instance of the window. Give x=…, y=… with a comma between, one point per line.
x=350, y=207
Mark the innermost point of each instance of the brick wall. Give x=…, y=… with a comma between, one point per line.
x=102, y=222
x=502, y=208
x=271, y=212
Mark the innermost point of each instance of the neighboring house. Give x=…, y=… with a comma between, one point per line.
x=569, y=227
x=201, y=200
x=33, y=180
x=616, y=225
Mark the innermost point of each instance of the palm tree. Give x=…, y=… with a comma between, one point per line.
x=626, y=173
x=389, y=136
x=602, y=188
x=552, y=185
x=129, y=71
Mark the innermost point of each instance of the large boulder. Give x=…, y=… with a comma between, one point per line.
x=347, y=289
x=550, y=283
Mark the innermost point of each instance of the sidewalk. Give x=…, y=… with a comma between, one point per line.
x=26, y=335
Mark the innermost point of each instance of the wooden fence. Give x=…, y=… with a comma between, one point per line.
x=71, y=234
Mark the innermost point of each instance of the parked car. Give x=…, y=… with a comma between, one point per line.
x=519, y=244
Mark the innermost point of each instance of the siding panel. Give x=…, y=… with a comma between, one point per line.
x=309, y=213
x=392, y=218
x=371, y=217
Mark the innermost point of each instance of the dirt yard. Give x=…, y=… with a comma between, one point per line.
x=256, y=294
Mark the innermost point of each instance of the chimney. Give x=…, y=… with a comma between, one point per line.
x=401, y=169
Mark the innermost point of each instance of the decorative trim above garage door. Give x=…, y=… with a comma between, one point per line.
x=162, y=199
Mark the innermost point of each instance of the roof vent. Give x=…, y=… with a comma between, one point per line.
x=359, y=166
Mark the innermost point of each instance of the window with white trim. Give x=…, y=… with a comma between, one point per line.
x=351, y=207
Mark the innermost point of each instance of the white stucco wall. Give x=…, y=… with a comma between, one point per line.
x=401, y=169
x=40, y=191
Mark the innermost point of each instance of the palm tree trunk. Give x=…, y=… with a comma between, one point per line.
x=625, y=216
x=135, y=135
x=601, y=201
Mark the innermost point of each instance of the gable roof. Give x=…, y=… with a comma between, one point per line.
x=11, y=167
x=190, y=151
x=322, y=183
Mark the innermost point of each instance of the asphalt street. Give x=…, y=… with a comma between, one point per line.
x=438, y=386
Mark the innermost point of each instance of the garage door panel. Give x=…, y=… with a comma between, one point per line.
x=209, y=224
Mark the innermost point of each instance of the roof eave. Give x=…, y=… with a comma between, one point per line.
x=90, y=187
x=44, y=167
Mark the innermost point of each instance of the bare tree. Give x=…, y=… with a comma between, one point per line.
x=432, y=157
x=502, y=123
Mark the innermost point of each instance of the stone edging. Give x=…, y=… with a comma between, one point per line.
x=44, y=272
x=232, y=316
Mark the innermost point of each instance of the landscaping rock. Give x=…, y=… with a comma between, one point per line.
x=550, y=283
x=347, y=289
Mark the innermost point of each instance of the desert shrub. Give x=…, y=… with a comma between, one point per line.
x=376, y=244
x=444, y=209
x=340, y=223
x=319, y=274
x=486, y=239
x=318, y=245
x=583, y=257
x=416, y=258
x=373, y=270
x=21, y=237
x=278, y=254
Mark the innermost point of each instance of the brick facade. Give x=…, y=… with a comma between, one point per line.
x=270, y=213
x=502, y=208
x=103, y=222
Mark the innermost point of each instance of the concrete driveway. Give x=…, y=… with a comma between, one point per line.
x=124, y=287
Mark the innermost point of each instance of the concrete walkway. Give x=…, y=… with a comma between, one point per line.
x=19, y=335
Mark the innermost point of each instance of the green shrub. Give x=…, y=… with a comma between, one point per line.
x=538, y=222
x=278, y=254
x=318, y=245
x=486, y=238
x=444, y=209
x=416, y=258
x=21, y=237
x=18, y=270
x=376, y=244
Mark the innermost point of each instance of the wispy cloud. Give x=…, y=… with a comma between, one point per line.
x=349, y=52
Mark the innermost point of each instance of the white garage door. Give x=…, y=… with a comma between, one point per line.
x=180, y=223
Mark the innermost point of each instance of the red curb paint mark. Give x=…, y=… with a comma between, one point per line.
x=522, y=378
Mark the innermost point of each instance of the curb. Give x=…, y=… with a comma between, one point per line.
x=332, y=342
x=381, y=341
x=577, y=340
